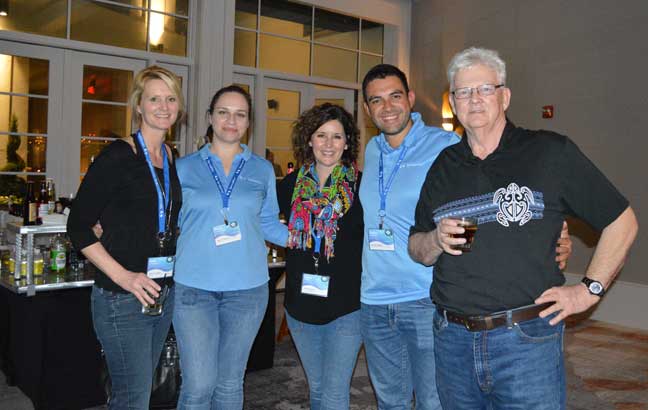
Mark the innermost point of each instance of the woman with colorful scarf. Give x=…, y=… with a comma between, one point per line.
x=323, y=258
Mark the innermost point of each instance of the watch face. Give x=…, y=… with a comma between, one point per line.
x=595, y=288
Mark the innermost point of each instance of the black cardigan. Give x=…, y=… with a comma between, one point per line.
x=345, y=269
x=118, y=191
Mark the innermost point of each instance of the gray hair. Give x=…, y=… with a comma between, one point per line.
x=473, y=56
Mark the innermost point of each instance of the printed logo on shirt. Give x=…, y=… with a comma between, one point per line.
x=510, y=205
x=514, y=204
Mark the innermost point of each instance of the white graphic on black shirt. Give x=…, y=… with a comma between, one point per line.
x=514, y=204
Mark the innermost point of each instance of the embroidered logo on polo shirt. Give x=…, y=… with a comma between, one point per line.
x=514, y=204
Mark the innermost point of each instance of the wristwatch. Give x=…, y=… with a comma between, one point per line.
x=594, y=286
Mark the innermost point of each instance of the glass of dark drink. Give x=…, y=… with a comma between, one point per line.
x=470, y=228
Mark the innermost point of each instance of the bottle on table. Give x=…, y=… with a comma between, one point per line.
x=30, y=206
x=58, y=254
x=38, y=262
x=51, y=196
x=43, y=201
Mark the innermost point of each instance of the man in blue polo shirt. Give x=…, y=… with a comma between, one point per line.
x=396, y=307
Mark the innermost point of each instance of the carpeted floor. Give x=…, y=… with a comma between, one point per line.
x=607, y=369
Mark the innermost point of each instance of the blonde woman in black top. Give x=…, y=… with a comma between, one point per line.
x=133, y=191
x=323, y=261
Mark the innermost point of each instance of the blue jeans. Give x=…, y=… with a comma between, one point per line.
x=132, y=343
x=399, y=343
x=519, y=367
x=215, y=332
x=328, y=353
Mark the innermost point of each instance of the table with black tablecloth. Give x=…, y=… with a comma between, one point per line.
x=48, y=347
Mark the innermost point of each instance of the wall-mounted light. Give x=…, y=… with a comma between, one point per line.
x=448, y=124
x=4, y=8
x=446, y=113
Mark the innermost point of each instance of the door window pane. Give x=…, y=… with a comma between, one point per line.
x=90, y=148
x=168, y=34
x=103, y=120
x=245, y=48
x=45, y=17
x=336, y=29
x=372, y=37
x=280, y=54
x=19, y=153
x=23, y=114
x=286, y=18
x=278, y=133
x=246, y=13
x=106, y=84
x=24, y=75
x=282, y=110
x=335, y=63
x=19, y=115
x=282, y=104
x=97, y=23
x=366, y=63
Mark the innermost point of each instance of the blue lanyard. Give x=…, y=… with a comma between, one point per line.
x=163, y=198
x=316, y=251
x=384, y=190
x=225, y=194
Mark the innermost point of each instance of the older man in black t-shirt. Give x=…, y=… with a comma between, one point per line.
x=498, y=326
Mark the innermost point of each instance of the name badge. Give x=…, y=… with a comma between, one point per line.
x=224, y=234
x=316, y=285
x=160, y=267
x=381, y=239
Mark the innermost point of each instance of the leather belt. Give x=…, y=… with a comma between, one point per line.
x=494, y=320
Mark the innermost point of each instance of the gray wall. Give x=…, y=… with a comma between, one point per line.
x=587, y=58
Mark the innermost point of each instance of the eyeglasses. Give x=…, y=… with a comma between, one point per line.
x=483, y=90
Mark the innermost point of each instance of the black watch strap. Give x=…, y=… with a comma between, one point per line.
x=594, y=287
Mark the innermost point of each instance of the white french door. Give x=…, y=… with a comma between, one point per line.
x=30, y=115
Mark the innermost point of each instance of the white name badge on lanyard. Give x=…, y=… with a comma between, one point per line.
x=160, y=267
x=226, y=233
x=381, y=239
x=316, y=285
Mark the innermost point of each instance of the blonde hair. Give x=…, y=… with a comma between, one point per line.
x=154, y=73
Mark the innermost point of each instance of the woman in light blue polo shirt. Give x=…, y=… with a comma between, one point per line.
x=229, y=210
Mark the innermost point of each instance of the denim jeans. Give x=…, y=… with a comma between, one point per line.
x=399, y=343
x=328, y=353
x=215, y=332
x=132, y=343
x=516, y=367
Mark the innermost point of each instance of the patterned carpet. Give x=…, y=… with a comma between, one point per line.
x=607, y=369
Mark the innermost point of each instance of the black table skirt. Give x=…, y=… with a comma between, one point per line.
x=48, y=347
x=52, y=353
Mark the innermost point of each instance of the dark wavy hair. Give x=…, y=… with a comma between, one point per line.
x=382, y=71
x=309, y=121
x=209, y=135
